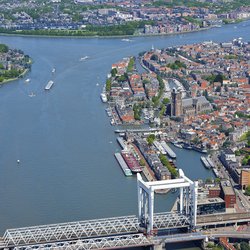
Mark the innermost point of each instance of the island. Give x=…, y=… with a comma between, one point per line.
x=13, y=64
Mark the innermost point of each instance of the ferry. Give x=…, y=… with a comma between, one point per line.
x=49, y=85
x=84, y=58
x=104, y=97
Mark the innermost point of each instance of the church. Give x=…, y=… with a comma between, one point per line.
x=189, y=106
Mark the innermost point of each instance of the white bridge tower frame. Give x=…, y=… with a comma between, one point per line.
x=187, y=198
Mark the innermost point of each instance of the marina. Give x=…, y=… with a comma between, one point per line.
x=169, y=151
x=49, y=85
x=123, y=165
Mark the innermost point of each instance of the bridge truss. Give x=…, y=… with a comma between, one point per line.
x=88, y=229
x=115, y=242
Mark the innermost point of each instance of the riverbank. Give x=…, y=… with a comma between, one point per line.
x=17, y=78
x=105, y=37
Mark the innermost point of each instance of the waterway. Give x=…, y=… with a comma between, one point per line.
x=63, y=138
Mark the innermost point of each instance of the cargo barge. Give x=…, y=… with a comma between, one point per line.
x=123, y=164
x=169, y=151
x=49, y=85
x=131, y=161
x=205, y=162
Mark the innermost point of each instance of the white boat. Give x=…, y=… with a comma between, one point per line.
x=32, y=94
x=178, y=145
x=104, y=97
x=27, y=80
x=127, y=40
x=84, y=58
x=53, y=70
x=49, y=85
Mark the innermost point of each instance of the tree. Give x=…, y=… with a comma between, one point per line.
x=150, y=139
x=113, y=72
x=166, y=101
x=142, y=162
x=247, y=191
x=244, y=246
x=154, y=57
x=4, y=48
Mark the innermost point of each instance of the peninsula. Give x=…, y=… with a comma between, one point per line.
x=13, y=64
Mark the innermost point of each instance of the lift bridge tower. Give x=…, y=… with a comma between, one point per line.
x=187, y=200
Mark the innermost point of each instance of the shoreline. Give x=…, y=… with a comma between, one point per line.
x=17, y=78
x=107, y=37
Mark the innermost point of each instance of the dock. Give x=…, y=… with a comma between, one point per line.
x=123, y=164
x=49, y=85
x=169, y=151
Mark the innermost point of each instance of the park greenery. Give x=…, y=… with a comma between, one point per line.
x=137, y=111
x=247, y=191
x=131, y=64
x=128, y=28
x=150, y=139
x=4, y=48
x=165, y=162
x=176, y=65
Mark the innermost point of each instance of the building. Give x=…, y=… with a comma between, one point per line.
x=214, y=192
x=176, y=105
x=245, y=178
x=228, y=194
x=211, y=206
x=188, y=106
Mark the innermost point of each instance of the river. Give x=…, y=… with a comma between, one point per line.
x=63, y=138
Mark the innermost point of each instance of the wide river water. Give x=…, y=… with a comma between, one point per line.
x=63, y=137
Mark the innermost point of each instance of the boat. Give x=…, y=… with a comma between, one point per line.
x=127, y=40
x=123, y=164
x=187, y=146
x=32, y=94
x=210, y=162
x=49, y=85
x=53, y=70
x=27, y=80
x=131, y=161
x=104, y=97
x=84, y=58
x=178, y=145
x=205, y=162
x=169, y=151
x=199, y=149
x=112, y=122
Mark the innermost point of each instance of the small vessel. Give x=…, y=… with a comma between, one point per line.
x=32, y=94
x=97, y=84
x=53, y=70
x=49, y=85
x=187, y=146
x=127, y=40
x=27, y=80
x=200, y=149
x=18, y=161
x=84, y=58
x=104, y=97
x=178, y=145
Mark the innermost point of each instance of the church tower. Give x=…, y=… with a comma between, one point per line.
x=176, y=103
